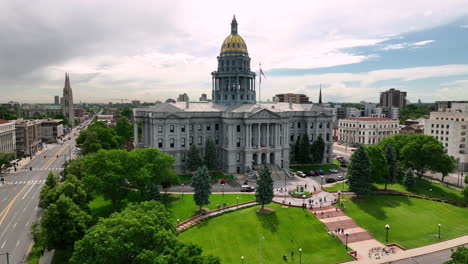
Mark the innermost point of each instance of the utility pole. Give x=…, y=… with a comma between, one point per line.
x=7, y=257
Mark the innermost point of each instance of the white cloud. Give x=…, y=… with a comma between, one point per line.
x=407, y=45
x=422, y=43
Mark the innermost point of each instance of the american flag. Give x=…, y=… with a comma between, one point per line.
x=261, y=73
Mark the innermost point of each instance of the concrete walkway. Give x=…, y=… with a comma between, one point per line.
x=47, y=257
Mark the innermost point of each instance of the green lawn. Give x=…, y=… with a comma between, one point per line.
x=413, y=221
x=103, y=208
x=314, y=167
x=238, y=233
x=339, y=186
x=183, y=207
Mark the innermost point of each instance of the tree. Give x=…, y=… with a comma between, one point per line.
x=5, y=160
x=35, y=233
x=201, y=186
x=77, y=121
x=445, y=165
x=391, y=163
x=296, y=151
x=64, y=223
x=466, y=179
x=71, y=188
x=378, y=164
x=45, y=196
x=153, y=192
x=98, y=136
x=264, y=192
x=459, y=256
x=409, y=180
x=304, y=149
x=465, y=193
x=127, y=112
x=182, y=253
x=422, y=153
x=358, y=172
x=194, y=160
x=124, y=129
x=73, y=167
x=123, y=236
x=317, y=150
x=211, y=157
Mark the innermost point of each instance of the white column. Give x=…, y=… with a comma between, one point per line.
x=268, y=135
x=259, y=138
x=135, y=133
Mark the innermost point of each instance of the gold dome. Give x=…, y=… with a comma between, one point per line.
x=233, y=45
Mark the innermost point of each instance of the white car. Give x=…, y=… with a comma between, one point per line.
x=333, y=170
x=300, y=174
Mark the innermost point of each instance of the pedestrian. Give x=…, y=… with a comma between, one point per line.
x=305, y=186
x=292, y=254
x=289, y=203
x=325, y=199
x=315, y=188
x=309, y=199
x=321, y=213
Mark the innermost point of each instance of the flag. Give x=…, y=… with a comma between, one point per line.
x=261, y=73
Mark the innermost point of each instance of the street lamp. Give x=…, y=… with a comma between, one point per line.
x=182, y=189
x=386, y=236
x=321, y=181
x=223, y=188
x=438, y=236
x=242, y=258
x=237, y=202
x=178, y=221
x=339, y=198
x=261, y=237
x=300, y=255
x=347, y=235
x=303, y=201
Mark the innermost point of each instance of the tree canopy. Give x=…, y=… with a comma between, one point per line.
x=98, y=136
x=210, y=159
x=5, y=160
x=358, y=172
x=124, y=129
x=390, y=156
x=318, y=150
x=201, y=186
x=194, y=160
x=378, y=164
x=264, y=193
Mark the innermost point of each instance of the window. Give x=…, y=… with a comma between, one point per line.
x=208, y=127
x=199, y=127
x=238, y=142
x=159, y=128
x=182, y=128
x=200, y=140
x=238, y=157
x=312, y=125
x=191, y=128
x=238, y=128
x=183, y=157
x=328, y=124
x=183, y=143
x=216, y=127
x=160, y=143
x=216, y=140
x=292, y=137
x=171, y=142
x=171, y=128
x=320, y=125
x=292, y=124
x=298, y=124
x=328, y=137
x=191, y=141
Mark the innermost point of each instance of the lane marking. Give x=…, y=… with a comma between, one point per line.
x=3, y=244
x=5, y=211
x=27, y=223
x=15, y=224
x=27, y=192
x=17, y=243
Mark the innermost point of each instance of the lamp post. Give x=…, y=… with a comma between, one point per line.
x=386, y=236
x=242, y=258
x=300, y=255
x=438, y=235
x=222, y=189
x=321, y=181
x=182, y=189
x=237, y=202
x=347, y=235
x=339, y=198
x=261, y=237
x=303, y=201
x=285, y=192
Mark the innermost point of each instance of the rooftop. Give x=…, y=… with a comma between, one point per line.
x=370, y=119
x=4, y=121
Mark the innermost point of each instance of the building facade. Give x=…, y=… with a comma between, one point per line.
x=28, y=137
x=51, y=129
x=451, y=128
x=56, y=100
x=393, y=98
x=7, y=137
x=183, y=98
x=366, y=130
x=245, y=132
x=291, y=97
x=67, y=107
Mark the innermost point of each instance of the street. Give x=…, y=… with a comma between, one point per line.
x=19, y=198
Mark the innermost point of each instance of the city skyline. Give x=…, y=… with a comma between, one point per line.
x=158, y=50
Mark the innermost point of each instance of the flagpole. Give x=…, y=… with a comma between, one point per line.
x=260, y=83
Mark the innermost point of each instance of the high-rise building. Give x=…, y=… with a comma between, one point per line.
x=28, y=137
x=67, y=107
x=393, y=98
x=183, y=98
x=291, y=97
x=203, y=98
x=57, y=100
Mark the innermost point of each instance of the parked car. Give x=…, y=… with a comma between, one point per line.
x=322, y=172
x=222, y=181
x=247, y=188
x=333, y=171
x=310, y=173
x=330, y=180
x=343, y=165
x=300, y=174
x=339, y=177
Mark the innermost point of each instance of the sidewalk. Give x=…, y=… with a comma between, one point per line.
x=47, y=257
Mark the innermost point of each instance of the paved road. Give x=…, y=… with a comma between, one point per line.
x=19, y=197
x=437, y=257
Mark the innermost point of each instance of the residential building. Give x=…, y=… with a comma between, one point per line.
x=28, y=137
x=203, y=98
x=7, y=136
x=36, y=110
x=170, y=100
x=393, y=98
x=245, y=132
x=291, y=97
x=183, y=98
x=56, y=100
x=366, y=130
x=68, y=108
x=413, y=127
x=452, y=106
x=135, y=102
x=51, y=129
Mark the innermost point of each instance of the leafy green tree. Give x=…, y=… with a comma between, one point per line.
x=459, y=256
x=122, y=237
x=211, y=157
x=264, y=192
x=318, y=150
x=64, y=223
x=392, y=164
x=73, y=167
x=35, y=233
x=153, y=192
x=296, y=151
x=378, y=164
x=466, y=179
x=409, y=180
x=46, y=195
x=127, y=112
x=445, y=165
x=77, y=121
x=5, y=160
x=98, y=136
x=201, y=186
x=422, y=153
x=124, y=129
x=465, y=193
x=304, y=150
x=71, y=188
x=194, y=160
x=181, y=254
x=358, y=172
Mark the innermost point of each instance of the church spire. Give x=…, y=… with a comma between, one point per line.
x=234, y=25
x=320, y=94
x=67, y=81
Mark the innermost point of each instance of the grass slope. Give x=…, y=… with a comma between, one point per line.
x=238, y=233
x=413, y=221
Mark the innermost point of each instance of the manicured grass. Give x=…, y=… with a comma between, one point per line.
x=413, y=221
x=339, y=186
x=183, y=207
x=325, y=167
x=237, y=234
x=35, y=254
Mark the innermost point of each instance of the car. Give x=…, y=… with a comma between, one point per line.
x=310, y=173
x=247, y=188
x=317, y=172
x=330, y=180
x=222, y=181
x=322, y=172
x=343, y=165
x=300, y=174
x=333, y=170
x=339, y=178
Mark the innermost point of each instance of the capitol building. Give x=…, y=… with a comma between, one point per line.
x=246, y=132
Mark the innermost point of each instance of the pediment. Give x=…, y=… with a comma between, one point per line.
x=172, y=116
x=264, y=114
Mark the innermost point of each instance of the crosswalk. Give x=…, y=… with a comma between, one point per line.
x=24, y=182
x=38, y=169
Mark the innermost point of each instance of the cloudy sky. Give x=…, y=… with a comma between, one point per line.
x=153, y=50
